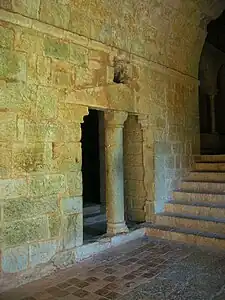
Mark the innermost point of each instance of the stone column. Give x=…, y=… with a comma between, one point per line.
x=114, y=122
x=213, y=113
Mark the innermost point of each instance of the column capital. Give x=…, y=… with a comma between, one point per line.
x=115, y=118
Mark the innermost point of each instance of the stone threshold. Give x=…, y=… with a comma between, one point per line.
x=68, y=258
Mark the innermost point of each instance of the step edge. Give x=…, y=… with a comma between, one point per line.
x=187, y=231
x=192, y=217
x=196, y=204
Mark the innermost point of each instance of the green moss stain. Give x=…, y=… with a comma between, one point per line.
x=23, y=208
x=6, y=37
x=17, y=233
x=54, y=224
x=9, y=63
x=55, y=48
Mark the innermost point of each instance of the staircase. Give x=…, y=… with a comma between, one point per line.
x=196, y=215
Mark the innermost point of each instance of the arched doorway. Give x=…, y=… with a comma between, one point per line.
x=212, y=89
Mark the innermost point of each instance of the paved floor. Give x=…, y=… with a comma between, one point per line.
x=144, y=269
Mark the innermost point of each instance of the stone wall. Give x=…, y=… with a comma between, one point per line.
x=57, y=60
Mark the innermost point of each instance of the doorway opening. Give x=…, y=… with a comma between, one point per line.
x=93, y=175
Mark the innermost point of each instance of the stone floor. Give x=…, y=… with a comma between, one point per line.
x=143, y=269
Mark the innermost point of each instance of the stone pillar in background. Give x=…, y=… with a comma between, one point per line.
x=114, y=122
x=213, y=113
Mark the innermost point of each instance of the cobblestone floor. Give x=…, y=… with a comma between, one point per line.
x=143, y=269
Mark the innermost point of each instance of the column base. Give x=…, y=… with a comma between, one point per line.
x=117, y=228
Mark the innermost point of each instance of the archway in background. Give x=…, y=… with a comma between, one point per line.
x=212, y=89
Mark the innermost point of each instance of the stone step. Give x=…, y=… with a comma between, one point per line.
x=191, y=222
x=206, y=176
x=198, y=186
x=209, y=158
x=191, y=197
x=209, y=166
x=186, y=236
x=195, y=209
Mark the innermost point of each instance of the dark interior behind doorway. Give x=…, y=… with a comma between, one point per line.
x=90, y=159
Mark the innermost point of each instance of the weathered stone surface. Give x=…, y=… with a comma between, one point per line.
x=74, y=183
x=67, y=156
x=26, y=7
x=72, y=230
x=56, y=48
x=41, y=185
x=29, y=41
x=42, y=252
x=79, y=55
x=12, y=65
x=71, y=205
x=15, y=259
x=10, y=188
x=47, y=99
x=19, y=232
x=55, y=13
x=22, y=208
x=6, y=37
x=55, y=221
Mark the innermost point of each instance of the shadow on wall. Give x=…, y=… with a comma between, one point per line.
x=170, y=166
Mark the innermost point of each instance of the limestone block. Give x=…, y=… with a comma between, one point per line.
x=120, y=97
x=69, y=112
x=6, y=37
x=132, y=186
x=70, y=132
x=134, y=160
x=102, y=31
x=72, y=205
x=42, y=252
x=26, y=7
x=84, y=77
x=13, y=188
x=23, y=208
x=41, y=185
x=43, y=71
x=62, y=73
x=8, y=126
x=74, y=183
x=55, y=13
x=78, y=22
x=29, y=41
x=78, y=55
x=54, y=221
x=72, y=231
x=64, y=259
x=28, y=230
x=96, y=97
x=134, y=173
x=6, y=4
x=15, y=259
x=56, y=48
x=27, y=157
x=100, y=76
x=12, y=65
x=67, y=156
x=5, y=159
x=47, y=99
x=18, y=97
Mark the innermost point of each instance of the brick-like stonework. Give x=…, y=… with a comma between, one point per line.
x=56, y=60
